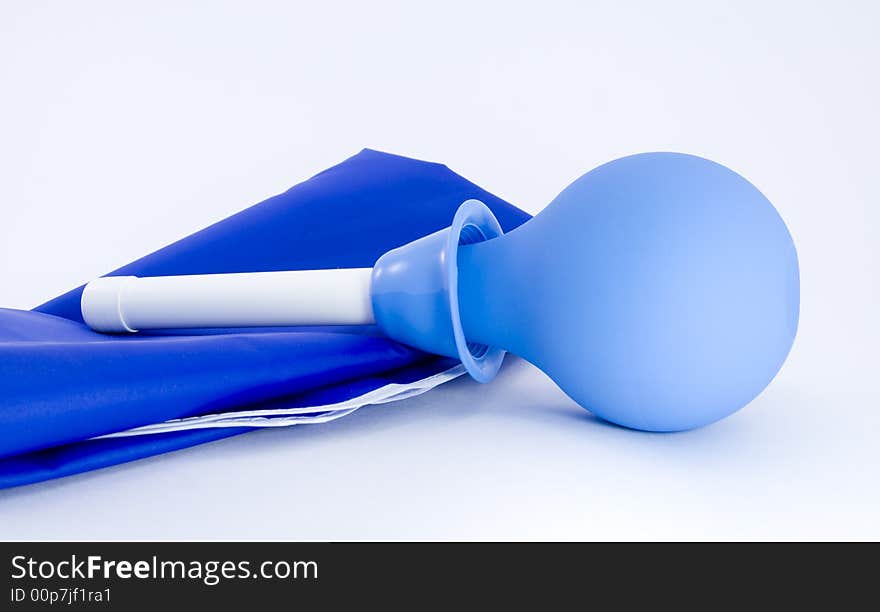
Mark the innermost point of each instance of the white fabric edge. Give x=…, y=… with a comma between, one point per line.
x=288, y=417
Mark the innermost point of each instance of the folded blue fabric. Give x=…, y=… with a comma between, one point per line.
x=62, y=384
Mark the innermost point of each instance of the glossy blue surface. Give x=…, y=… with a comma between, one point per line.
x=660, y=291
x=61, y=383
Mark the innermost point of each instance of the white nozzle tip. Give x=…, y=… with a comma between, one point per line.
x=101, y=306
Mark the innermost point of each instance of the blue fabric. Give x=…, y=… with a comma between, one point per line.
x=61, y=383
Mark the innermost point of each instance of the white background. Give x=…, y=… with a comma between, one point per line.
x=124, y=126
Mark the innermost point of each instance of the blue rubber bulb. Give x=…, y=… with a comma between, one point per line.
x=660, y=291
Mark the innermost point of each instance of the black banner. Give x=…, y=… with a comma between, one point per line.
x=133, y=576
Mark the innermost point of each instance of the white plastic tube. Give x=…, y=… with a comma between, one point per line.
x=307, y=297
